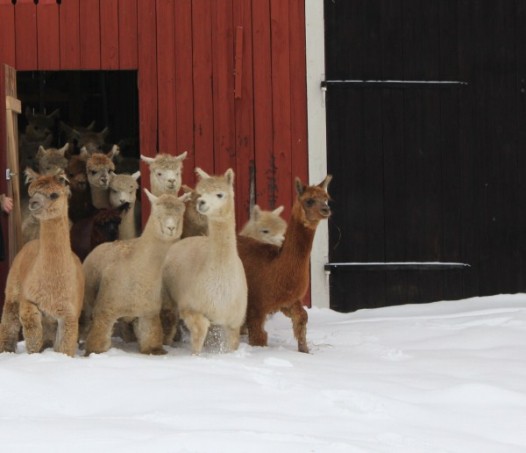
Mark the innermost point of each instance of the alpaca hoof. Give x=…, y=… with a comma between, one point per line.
x=156, y=351
x=303, y=348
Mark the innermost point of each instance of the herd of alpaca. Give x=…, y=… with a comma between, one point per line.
x=188, y=264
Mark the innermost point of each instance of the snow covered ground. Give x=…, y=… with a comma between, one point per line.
x=440, y=377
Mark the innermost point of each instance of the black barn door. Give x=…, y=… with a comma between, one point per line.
x=426, y=133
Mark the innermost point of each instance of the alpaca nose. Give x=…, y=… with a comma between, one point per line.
x=325, y=210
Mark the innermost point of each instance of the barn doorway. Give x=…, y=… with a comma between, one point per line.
x=61, y=107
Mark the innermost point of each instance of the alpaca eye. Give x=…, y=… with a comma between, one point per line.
x=93, y=172
x=159, y=173
x=220, y=195
x=265, y=231
x=309, y=202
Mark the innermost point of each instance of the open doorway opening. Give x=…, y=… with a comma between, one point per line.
x=78, y=114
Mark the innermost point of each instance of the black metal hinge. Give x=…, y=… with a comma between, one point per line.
x=390, y=83
x=396, y=266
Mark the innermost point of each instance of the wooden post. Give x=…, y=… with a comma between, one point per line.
x=13, y=107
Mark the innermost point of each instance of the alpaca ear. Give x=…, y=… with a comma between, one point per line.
x=41, y=151
x=229, y=175
x=325, y=183
x=181, y=156
x=90, y=126
x=185, y=197
x=31, y=175
x=61, y=178
x=64, y=149
x=105, y=132
x=187, y=189
x=300, y=188
x=136, y=175
x=84, y=153
x=201, y=173
x=150, y=196
x=256, y=211
x=115, y=151
x=54, y=114
x=147, y=159
x=278, y=210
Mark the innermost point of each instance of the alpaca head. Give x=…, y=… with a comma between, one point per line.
x=48, y=194
x=165, y=172
x=100, y=168
x=167, y=214
x=123, y=189
x=51, y=160
x=313, y=202
x=266, y=226
x=216, y=194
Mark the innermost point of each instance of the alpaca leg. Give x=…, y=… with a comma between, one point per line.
x=256, y=333
x=67, y=335
x=150, y=335
x=198, y=326
x=31, y=318
x=170, y=321
x=10, y=326
x=232, y=338
x=299, y=317
x=99, y=335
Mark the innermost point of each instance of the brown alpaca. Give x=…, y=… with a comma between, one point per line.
x=46, y=278
x=195, y=223
x=278, y=278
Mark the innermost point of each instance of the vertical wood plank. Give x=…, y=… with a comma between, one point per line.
x=244, y=113
x=265, y=191
x=281, y=109
x=184, y=86
x=109, y=34
x=69, y=34
x=203, y=100
x=7, y=34
x=26, y=35
x=48, y=35
x=90, y=31
x=166, y=76
x=128, y=34
x=223, y=85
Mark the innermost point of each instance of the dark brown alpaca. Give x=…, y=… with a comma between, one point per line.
x=278, y=278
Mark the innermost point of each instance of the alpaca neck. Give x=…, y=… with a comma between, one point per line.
x=127, y=228
x=298, y=239
x=222, y=234
x=149, y=247
x=54, y=236
x=100, y=198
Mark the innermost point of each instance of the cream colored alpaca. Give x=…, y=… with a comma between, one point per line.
x=123, y=279
x=46, y=278
x=100, y=168
x=265, y=226
x=203, y=275
x=165, y=172
x=123, y=189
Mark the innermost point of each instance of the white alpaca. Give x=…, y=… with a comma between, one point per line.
x=123, y=189
x=123, y=279
x=203, y=275
x=265, y=226
x=165, y=172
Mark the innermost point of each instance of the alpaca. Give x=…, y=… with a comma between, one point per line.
x=100, y=168
x=123, y=279
x=123, y=190
x=165, y=172
x=278, y=278
x=203, y=275
x=80, y=205
x=195, y=223
x=51, y=159
x=89, y=232
x=265, y=226
x=85, y=136
x=46, y=278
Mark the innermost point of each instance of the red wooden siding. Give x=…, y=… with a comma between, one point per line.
x=184, y=52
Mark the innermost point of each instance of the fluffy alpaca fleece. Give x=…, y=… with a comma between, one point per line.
x=278, y=278
x=123, y=190
x=203, y=275
x=46, y=278
x=265, y=226
x=123, y=279
x=165, y=172
x=100, y=168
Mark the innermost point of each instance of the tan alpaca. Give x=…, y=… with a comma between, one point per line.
x=100, y=168
x=45, y=279
x=195, y=223
x=123, y=279
x=165, y=172
x=203, y=275
x=265, y=226
x=278, y=278
x=123, y=189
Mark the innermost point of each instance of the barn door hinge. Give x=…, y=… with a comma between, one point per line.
x=9, y=174
x=396, y=266
x=390, y=83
